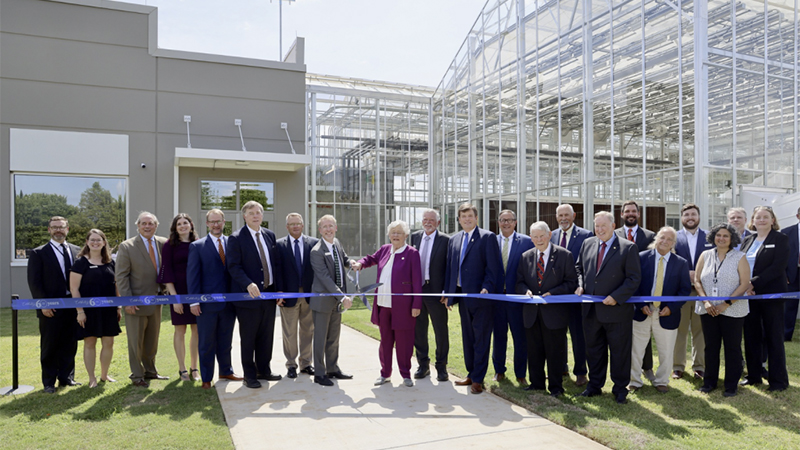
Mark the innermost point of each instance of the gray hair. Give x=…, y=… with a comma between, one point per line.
x=294, y=214
x=605, y=214
x=665, y=229
x=507, y=211
x=326, y=217
x=539, y=226
x=429, y=210
x=738, y=209
x=398, y=224
x=146, y=213
x=250, y=205
x=566, y=205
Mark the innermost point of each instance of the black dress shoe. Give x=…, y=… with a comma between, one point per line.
x=323, y=381
x=442, y=375
x=292, y=373
x=422, y=372
x=590, y=393
x=155, y=377
x=68, y=383
x=776, y=388
x=252, y=384
x=729, y=393
x=308, y=370
x=50, y=389
x=622, y=399
x=270, y=377
x=556, y=394
x=530, y=387
x=339, y=375
x=747, y=382
x=706, y=389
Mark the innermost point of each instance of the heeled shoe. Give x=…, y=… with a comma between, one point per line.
x=184, y=375
x=196, y=375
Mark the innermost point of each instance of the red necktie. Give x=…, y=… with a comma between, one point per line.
x=563, y=239
x=540, y=268
x=600, y=255
x=630, y=234
x=221, y=251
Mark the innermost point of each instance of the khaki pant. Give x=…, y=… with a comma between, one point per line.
x=690, y=322
x=299, y=314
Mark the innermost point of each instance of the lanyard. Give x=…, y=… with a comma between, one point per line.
x=717, y=267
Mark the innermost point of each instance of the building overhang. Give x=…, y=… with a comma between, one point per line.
x=232, y=159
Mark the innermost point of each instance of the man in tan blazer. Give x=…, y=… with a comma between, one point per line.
x=137, y=264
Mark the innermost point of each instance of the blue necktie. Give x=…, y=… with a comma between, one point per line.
x=297, y=261
x=463, y=252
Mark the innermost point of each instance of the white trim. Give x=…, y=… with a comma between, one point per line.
x=234, y=159
x=32, y=150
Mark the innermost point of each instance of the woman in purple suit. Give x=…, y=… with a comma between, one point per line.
x=400, y=272
x=174, y=257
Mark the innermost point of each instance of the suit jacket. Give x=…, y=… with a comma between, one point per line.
x=769, y=270
x=45, y=278
x=406, y=279
x=520, y=244
x=438, y=264
x=577, y=237
x=682, y=247
x=205, y=273
x=244, y=263
x=643, y=237
x=794, y=253
x=619, y=276
x=676, y=283
x=293, y=281
x=560, y=278
x=479, y=270
x=134, y=271
x=325, y=276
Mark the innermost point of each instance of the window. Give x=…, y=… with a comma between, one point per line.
x=86, y=201
x=230, y=196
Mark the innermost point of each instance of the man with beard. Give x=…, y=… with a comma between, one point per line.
x=691, y=242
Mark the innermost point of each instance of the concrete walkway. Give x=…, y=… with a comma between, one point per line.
x=357, y=415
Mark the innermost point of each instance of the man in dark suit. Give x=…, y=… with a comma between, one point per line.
x=609, y=267
x=546, y=270
x=793, y=278
x=571, y=237
x=295, y=312
x=329, y=262
x=737, y=216
x=136, y=272
x=206, y=274
x=472, y=268
x=48, y=273
x=690, y=243
x=663, y=274
x=509, y=314
x=432, y=246
x=254, y=264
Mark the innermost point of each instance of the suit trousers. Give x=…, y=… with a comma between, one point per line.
x=403, y=340
x=509, y=315
x=256, y=332
x=768, y=314
x=300, y=314
x=476, y=336
x=544, y=345
x=602, y=339
x=727, y=330
x=59, y=344
x=578, y=341
x=665, y=343
x=433, y=308
x=690, y=321
x=327, y=329
x=790, y=310
x=215, y=332
x=142, y=332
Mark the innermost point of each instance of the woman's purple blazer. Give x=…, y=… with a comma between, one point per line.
x=406, y=279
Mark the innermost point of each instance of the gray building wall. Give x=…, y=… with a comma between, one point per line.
x=94, y=66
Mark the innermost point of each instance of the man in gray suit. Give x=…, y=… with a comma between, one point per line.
x=138, y=260
x=328, y=260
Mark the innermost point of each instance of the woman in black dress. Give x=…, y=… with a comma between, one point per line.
x=93, y=276
x=174, y=257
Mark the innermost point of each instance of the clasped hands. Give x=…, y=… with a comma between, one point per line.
x=608, y=301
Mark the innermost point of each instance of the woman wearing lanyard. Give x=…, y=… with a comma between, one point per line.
x=767, y=253
x=400, y=272
x=722, y=272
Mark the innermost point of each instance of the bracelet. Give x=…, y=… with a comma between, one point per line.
x=729, y=302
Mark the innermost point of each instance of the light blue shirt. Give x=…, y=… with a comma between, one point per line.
x=751, y=254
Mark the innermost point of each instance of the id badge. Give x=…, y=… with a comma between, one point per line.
x=714, y=292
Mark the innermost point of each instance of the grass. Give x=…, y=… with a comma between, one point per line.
x=684, y=418
x=169, y=415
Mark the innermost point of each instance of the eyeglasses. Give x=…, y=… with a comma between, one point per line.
x=507, y=220
x=58, y=228
x=215, y=222
x=300, y=224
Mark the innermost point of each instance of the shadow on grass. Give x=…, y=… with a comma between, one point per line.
x=775, y=409
x=39, y=405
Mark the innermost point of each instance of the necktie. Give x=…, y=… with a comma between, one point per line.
x=630, y=234
x=338, y=274
x=221, y=251
x=426, y=251
x=600, y=255
x=540, y=268
x=659, y=280
x=264, y=265
x=505, y=254
x=152, y=252
x=463, y=253
x=67, y=261
x=563, y=242
x=298, y=260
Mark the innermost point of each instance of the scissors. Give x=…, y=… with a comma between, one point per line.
x=360, y=290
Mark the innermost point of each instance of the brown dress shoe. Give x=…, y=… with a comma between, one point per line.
x=662, y=389
x=677, y=374
x=476, y=388
x=522, y=381
x=465, y=382
x=206, y=385
x=581, y=380
x=141, y=383
x=499, y=377
x=232, y=377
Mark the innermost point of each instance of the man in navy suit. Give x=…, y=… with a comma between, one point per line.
x=472, y=256
x=663, y=274
x=297, y=323
x=608, y=267
x=793, y=278
x=254, y=264
x=691, y=242
x=206, y=274
x=571, y=237
x=48, y=272
x=509, y=314
x=737, y=216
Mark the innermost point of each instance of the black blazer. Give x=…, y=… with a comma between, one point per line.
x=619, y=277
x=643, y=237
x=769, y=270
x=438, y=265
x=560, y=278
x=244, y=263
x=45, y=278
x=794, y=253
x=293, y=281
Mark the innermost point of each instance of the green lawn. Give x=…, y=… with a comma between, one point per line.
x=169, y=415
x=684, y=418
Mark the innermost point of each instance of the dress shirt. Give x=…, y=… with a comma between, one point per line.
x=155, y=249
x=427, y=264
x=567, y=235
x=633, y=229
x=655, y=269
x=60, y=256
x=256, y=235
x=385, y=300
x=691, y=240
